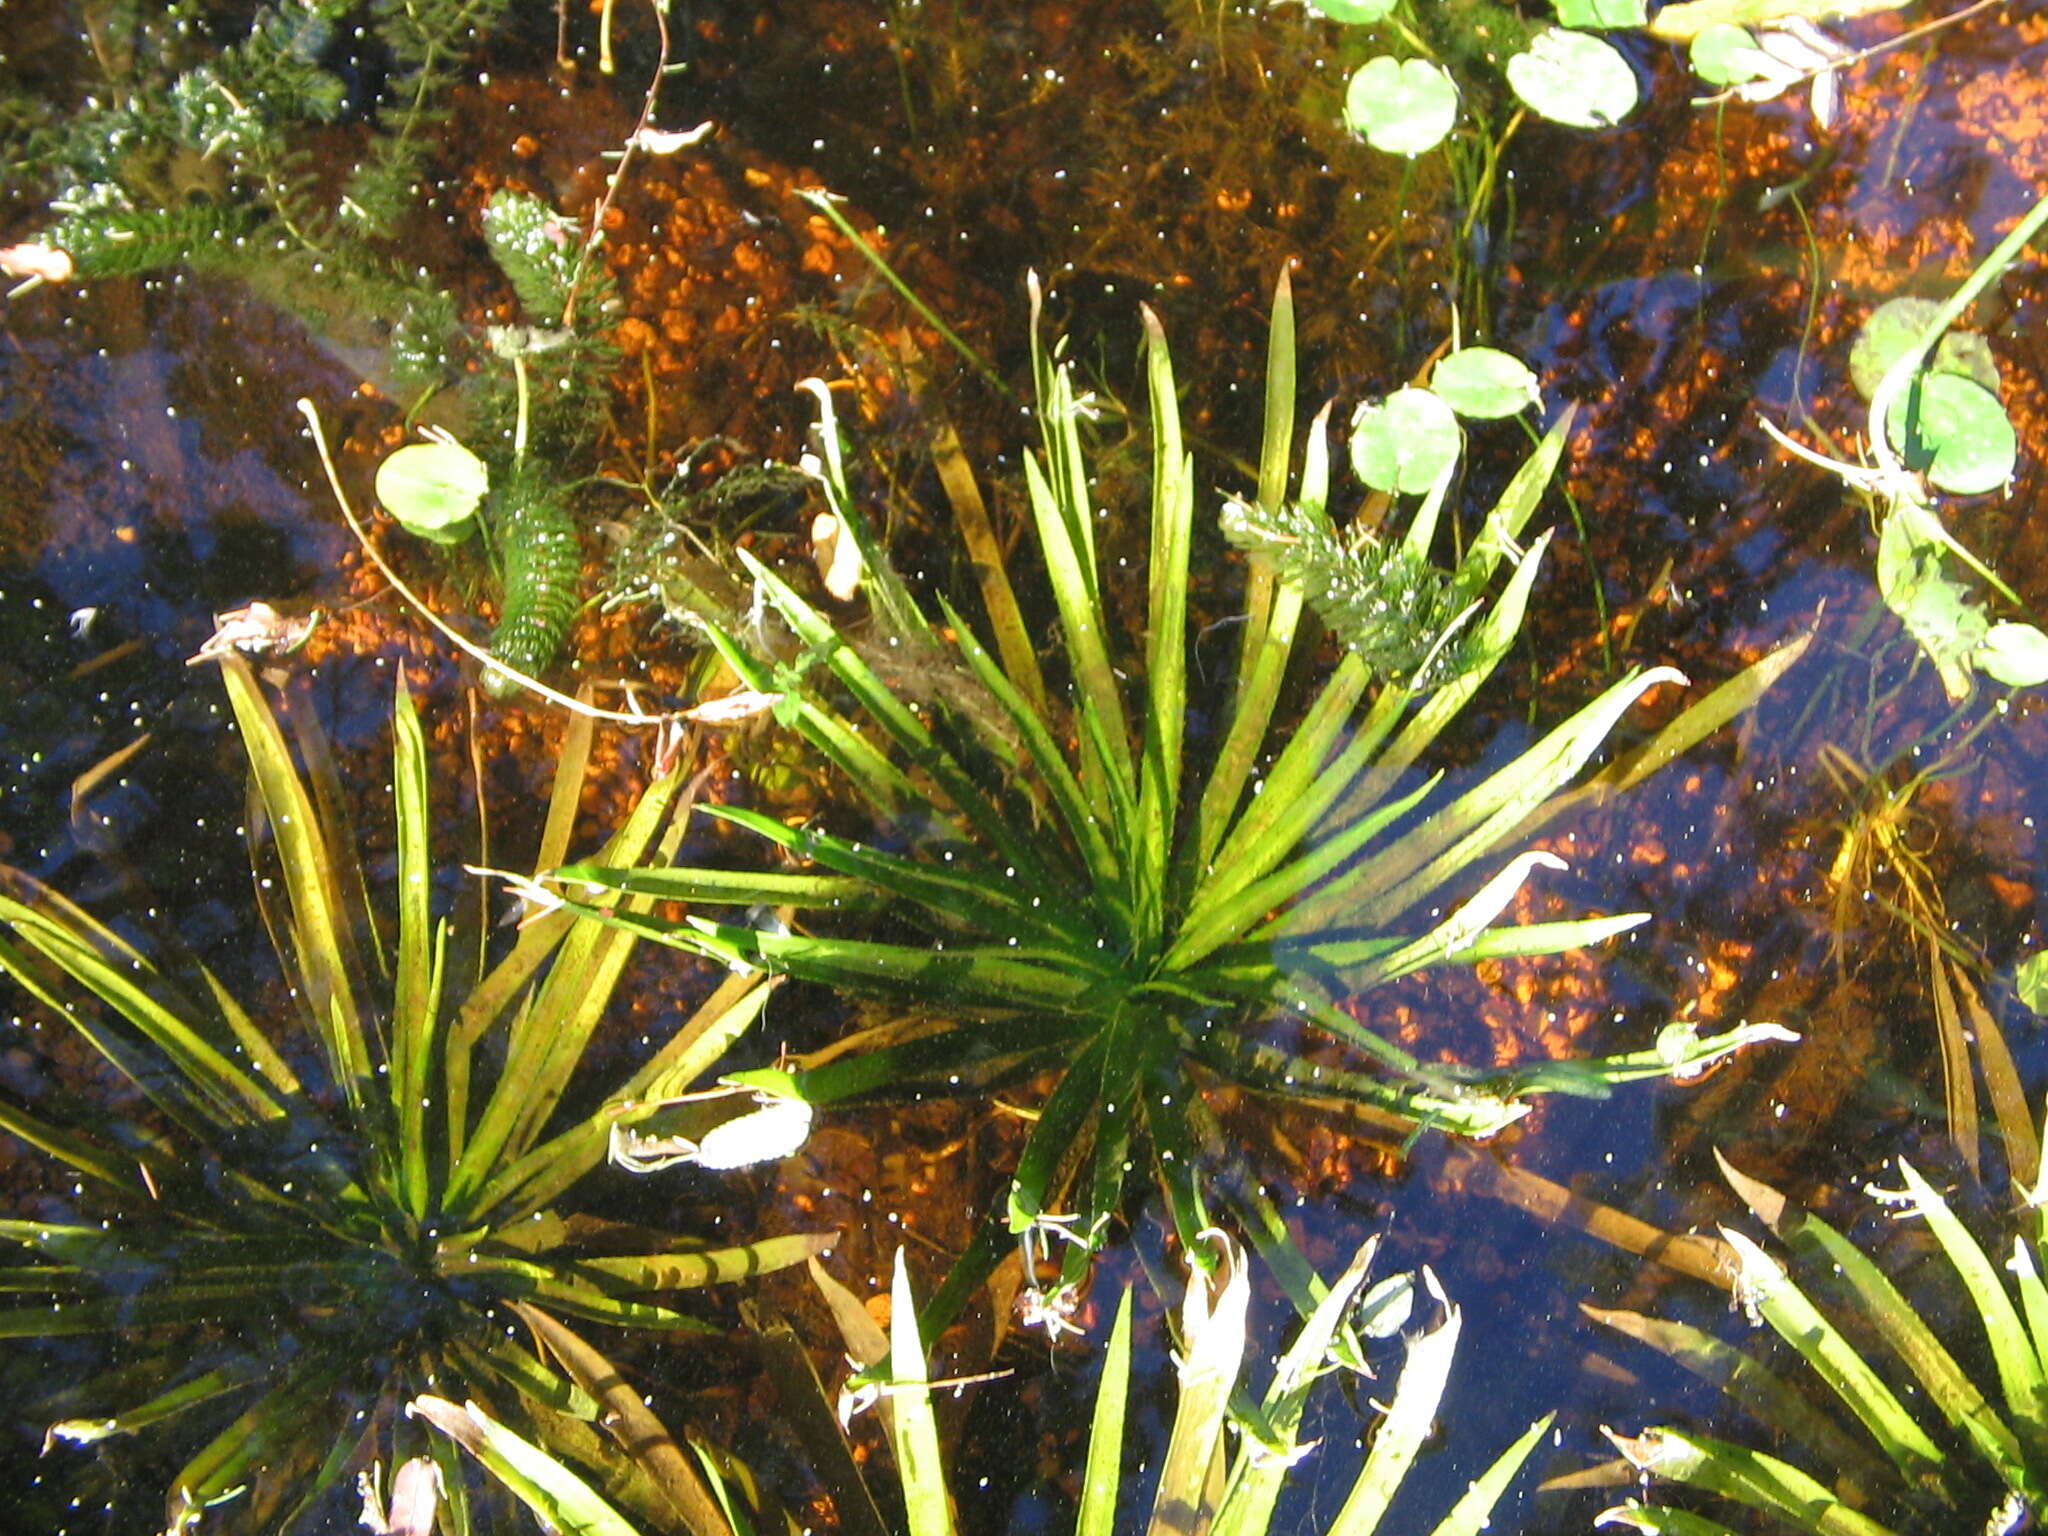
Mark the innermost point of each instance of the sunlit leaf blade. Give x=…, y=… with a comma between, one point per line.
x=1748, y=1477
x=262, y=1431
x=1258, y=1477
x=1212, y=1333
x=629, y=1421
x=1827, y=1252
x=1165, y=718
x=416, y=1002
x=1457, y=835
x=707, y=1266
x=2019, y=1368
x=1083, y=824
x=901, y=723
x=554, y=1493
x=1749, y=1386
x=1102, y=1476
x=207, y=1387
x=914, y=1431
x=1474, y=1510
x=1833, y=1358
x=323, y=925
x=1661, y=1521
x=1406, y=1424
x=701, y=1040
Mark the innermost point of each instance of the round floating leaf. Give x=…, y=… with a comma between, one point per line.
x=1401, y=107
x=1405, y=442
x=1892, y=327
x=1603, y=13
x=2013, y=654
x=1574, y=79
x=2031, y=978
x=1484, y=383
x=1725, y=55
x=433, y=489
x=1961, y=440
x=1967, y=355
x=1356, y=13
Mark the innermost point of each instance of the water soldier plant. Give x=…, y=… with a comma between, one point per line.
x=291, y=1237
x=1909, y=1431
x=1086, y=901
x=1201, y=1483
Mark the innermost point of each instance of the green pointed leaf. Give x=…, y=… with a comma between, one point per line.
x=1574, y=79
x=1401, y=106
x=1406, y=442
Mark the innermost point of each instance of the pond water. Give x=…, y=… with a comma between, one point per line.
x=1678, y=278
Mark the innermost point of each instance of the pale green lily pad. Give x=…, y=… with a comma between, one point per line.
x=433, y=489
x=2031, y=978
x=2013, y=654
x=1962, y=442
x=1603, y=13
x=1725, y=55
x=1401, y=107
x=1404, y=443
x=1354, y=13
x=1485, y=383
x=1573, y=78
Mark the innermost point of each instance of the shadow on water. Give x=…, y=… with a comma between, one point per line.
x=153, y=474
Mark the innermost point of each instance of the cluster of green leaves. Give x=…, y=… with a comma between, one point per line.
x=195, y=153
x=1404, y=616
x=1201, y=1484
x=1108, y=916
x=293, y=1236
x=1934, y=419
x=1409, y=105
x=1904, y=1429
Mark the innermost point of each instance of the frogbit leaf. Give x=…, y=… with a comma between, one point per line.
x=1353, y=13
x=1961, y=438
x=1405, y=442
x=1574, y=79
x=1726, y=55
x=1401, y=107
x=1602, y=13
x=1485, y=383
x=2031, y=980
x=433, y=489
x=2013, y=654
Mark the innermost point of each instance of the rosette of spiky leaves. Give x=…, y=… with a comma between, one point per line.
x=1901, y=1436
x=290, y=1239
x=1101, y=914
x=1211, y=1341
